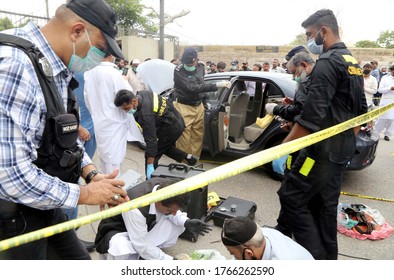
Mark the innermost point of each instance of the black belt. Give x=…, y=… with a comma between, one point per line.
x=188, y=102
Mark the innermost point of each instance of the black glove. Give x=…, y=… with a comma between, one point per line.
x=197, y=226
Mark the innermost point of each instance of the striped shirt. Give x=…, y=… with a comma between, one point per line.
x=22, y=122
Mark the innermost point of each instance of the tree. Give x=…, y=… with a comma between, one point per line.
x=367, y=44
x=5, y=23
x=299, y=40
x=130, y=14
x=386, y=39
x=167, y=18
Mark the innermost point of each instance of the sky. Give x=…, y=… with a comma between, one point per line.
x=254, y=22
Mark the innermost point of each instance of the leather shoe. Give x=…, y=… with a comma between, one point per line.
x=191, y=160
x=89, y=246
x=386, y=138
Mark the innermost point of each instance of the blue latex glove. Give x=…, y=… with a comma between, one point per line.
x=149, y=170
x=279, y=165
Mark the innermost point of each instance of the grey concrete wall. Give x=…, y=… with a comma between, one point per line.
x=259, y=54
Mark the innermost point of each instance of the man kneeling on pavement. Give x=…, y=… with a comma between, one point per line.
x=141, y=233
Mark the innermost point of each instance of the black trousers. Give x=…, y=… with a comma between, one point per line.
x=62, y=246
x=309, y=204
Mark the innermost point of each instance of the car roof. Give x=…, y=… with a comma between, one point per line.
x=283, y=80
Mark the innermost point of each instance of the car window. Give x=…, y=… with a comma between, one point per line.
x=213, y=97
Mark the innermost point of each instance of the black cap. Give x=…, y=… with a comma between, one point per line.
x=234, y=62
x=294, y=51
x=189, y=56
x=101, y=15
x=237, y=231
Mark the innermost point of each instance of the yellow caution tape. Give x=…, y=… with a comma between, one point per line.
x=368, y=197
x=200, y=180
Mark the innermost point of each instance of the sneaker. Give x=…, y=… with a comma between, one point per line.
x=191, y=160
x=386, y=138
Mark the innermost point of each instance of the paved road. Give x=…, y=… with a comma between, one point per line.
x=375, y=181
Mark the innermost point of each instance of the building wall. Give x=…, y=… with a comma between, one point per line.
x=142, y=48
x=259, y=54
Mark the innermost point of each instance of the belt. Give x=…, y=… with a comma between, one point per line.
x=188, y=102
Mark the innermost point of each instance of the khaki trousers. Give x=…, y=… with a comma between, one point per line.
x=192, y=138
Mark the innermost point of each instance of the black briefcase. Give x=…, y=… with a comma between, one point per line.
x=230, y=208
x=197, y=200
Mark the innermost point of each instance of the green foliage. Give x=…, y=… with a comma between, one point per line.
x=367, y=44
x=386, y=39
x=5, y=23
x=130, y=14
x=299, y=40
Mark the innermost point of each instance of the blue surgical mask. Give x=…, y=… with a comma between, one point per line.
x=132, y=111
x=189, y=68
x=297, y=79
x=314, y=47
x=92, y=59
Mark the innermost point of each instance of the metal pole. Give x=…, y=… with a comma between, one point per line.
x=161, y=42
x=47, y=8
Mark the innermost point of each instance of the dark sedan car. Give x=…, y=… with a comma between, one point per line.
x=230, y=122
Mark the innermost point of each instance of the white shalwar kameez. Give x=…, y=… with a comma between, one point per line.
x=138, y=242
x=110, y=123
x=385, y=122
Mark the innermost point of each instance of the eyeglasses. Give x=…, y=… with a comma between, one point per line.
x=223, y=235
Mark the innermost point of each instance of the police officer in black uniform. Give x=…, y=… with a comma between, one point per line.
x=334, y=94
x=190, y=99
x=161, y=126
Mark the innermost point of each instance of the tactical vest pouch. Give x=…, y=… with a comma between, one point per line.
x=60, y=155
x=66, y=130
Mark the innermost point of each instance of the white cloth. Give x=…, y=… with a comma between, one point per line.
x=134, y=133
x=138, y=242
x=250, y=87
x=370, y=86
x=110, y=123
x=277, y=70
x=157, y=74
x=280, y=247
x=135, y=81
x=387, y=95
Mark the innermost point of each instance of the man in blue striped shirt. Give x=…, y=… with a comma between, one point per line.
x=75, y=39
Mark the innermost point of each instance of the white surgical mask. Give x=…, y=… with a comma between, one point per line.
x=313, y=47
x=92, y=59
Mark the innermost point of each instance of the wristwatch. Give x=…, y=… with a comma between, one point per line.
x=90, y=176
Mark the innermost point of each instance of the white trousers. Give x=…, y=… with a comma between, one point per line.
x=386, y=126
x=164, y=234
